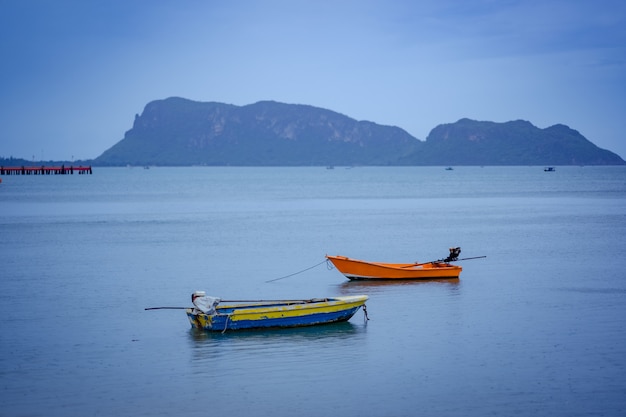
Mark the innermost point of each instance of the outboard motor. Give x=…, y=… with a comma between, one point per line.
x=204, y=303
x=454, y=254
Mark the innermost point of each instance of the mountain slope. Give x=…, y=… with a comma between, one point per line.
x=177, y=131
x=470, y=142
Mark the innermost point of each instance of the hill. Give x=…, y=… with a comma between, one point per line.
x=178, y=132
x=470, y=142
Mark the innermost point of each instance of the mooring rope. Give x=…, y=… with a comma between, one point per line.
x=226, y=324
x=296, y=273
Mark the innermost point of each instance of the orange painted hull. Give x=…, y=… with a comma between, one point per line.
x=355, y=269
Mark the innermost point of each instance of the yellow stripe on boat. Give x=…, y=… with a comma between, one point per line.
x=295, y=310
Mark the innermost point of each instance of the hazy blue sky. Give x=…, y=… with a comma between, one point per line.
x=75, y=72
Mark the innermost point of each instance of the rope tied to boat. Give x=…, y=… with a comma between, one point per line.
x=226, y=324
x=365, y=316
x=299, y=272
x=329, y=265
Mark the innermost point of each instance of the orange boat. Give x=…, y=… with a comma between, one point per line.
x=355, y=269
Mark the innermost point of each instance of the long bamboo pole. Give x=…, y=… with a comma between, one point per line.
x=311, y=300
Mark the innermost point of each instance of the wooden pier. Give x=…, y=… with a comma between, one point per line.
x=44, y=170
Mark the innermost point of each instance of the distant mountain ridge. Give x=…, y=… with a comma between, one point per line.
x=179, y=132
x=470, y=142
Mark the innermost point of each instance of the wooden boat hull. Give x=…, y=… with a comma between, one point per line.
x=278, y=314
x=355, y=269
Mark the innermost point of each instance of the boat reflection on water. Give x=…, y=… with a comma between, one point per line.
x=218, y=353
x=341, y=329
x=376, y=286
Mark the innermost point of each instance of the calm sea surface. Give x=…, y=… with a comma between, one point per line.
x=537, y=328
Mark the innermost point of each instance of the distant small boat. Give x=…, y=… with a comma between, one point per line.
x=210, y=314
x=549, y=169
x=449, y=169
x=355, y=269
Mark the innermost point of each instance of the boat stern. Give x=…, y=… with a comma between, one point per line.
x=199, y=320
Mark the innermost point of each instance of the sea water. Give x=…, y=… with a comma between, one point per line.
x=537, y=328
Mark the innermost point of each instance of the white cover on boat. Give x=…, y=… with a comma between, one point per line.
x=206, y=304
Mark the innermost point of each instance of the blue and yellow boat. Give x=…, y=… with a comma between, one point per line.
x=214, y=314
